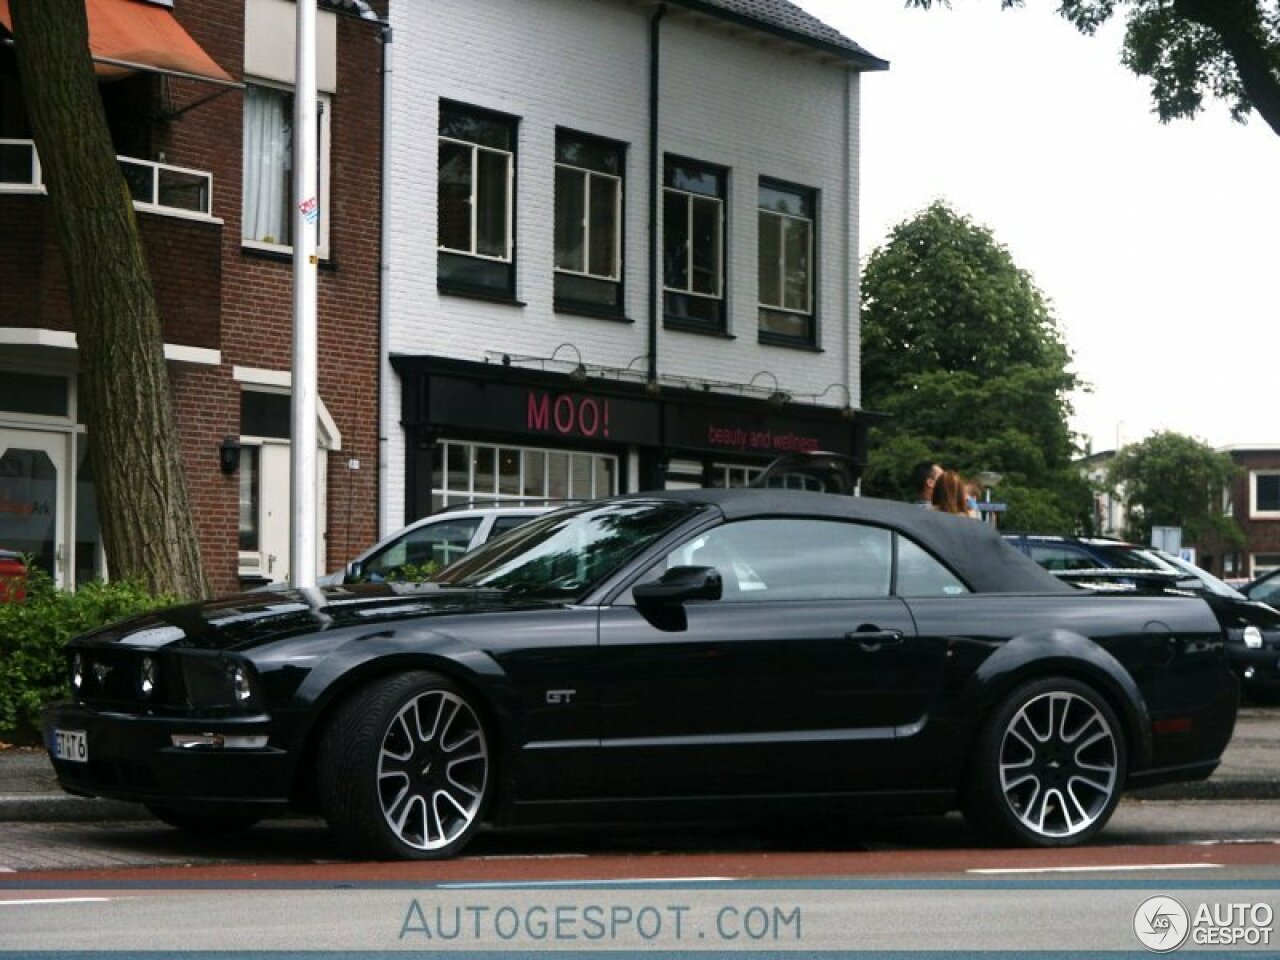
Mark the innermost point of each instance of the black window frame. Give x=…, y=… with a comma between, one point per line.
x=584, y=292
x=807, y=337
x=469, y=273
x=676, y=300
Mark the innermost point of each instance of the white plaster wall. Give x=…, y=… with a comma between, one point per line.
x=729, y=97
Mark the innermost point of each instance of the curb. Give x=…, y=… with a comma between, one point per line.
x=64, y=808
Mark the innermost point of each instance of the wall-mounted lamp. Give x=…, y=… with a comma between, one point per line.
x=579, y=372
x=847, y=410
x=229, y=454
x=779, y=396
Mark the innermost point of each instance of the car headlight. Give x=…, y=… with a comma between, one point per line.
x=218, y=681
x=1252, y=638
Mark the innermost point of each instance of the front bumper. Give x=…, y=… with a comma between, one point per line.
x=133, y=757
x=1258, y=667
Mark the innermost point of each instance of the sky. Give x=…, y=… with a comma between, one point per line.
x=1154, y=243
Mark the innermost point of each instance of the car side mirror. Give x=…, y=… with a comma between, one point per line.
x=352, y=574
x=1191, y=584
x=678, y=585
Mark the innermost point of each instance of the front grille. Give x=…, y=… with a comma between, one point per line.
x=112, y=678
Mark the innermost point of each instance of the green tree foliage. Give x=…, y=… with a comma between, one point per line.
x=1192, y=50
x=960, y=348
x=1172, y=480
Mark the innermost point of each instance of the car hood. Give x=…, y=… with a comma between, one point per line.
x=250, y=620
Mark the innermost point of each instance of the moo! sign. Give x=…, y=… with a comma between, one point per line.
x=567, y=414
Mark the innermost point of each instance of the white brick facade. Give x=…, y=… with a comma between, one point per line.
x=739, y=99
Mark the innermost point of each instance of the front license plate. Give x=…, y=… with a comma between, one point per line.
x=71, y=745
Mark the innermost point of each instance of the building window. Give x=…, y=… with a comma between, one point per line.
x=267, y=211
x=477, y=201
x=482, y=474
x=589, y=182
x=785, y=274
x=1266, y=493
x=693, y=230
x=1261, y=563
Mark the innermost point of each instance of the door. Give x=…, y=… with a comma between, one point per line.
x=33, y=498
x=266, y=510
x=799, y=679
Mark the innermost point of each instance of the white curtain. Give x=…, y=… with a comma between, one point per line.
x=268, y=150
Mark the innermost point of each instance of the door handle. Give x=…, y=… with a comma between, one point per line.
x=873, y=640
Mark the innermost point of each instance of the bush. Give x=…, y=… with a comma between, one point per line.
x=33, y=632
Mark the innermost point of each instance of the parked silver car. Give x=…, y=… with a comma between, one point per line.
x=430, y=543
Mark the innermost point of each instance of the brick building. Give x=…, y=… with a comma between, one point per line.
x=1254, y=502
x=623, y=248
x=201, y=120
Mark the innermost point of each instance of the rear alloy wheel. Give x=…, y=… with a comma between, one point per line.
x=404, y=768
x=1049, y=765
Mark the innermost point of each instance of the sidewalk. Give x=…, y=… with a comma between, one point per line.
x=1250, y=770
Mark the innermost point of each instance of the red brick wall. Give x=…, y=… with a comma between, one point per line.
x=213, y=294
x=256, y=289
x=1261, y=535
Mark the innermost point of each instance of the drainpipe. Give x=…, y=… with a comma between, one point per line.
x=384, y=283
x=654, y=187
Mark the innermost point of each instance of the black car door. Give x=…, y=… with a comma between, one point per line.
x=799, y=679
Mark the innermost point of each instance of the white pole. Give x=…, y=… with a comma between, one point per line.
x=303, y=522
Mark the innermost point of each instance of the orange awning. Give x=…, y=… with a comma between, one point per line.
x=126, y=36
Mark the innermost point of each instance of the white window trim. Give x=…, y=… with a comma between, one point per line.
x=616, y=266
x=1254, y=512
x=281, y=381
x=450, y=495
x=475, y=149
x=807, y=311
x=690, y=197
x=325, y=102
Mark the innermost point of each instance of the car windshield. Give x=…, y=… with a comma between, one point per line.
x=564, y=554
x=1125, y=557
x=1210, y=583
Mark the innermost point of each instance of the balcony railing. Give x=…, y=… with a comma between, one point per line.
x=158, y=187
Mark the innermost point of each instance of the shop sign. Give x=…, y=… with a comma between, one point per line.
x=455, y=402
x=732, y=432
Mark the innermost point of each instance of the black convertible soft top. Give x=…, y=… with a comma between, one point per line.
x=972, y=549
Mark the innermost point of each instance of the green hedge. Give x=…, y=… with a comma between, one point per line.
x=32, y=634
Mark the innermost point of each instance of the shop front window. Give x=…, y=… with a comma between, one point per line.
x=483, y=475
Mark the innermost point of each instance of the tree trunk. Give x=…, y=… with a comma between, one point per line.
x=147, y=528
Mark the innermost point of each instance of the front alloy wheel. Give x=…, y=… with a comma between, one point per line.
x=1049, y=766
x=404, y=768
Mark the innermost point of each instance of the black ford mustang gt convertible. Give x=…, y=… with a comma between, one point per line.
x=673, y=655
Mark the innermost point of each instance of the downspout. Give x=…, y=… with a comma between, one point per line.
x=654, y=185
x=384, y=283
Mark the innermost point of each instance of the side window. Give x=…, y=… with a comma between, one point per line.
x=920, y=575
x=502, y=524
x=436, y=544
x=1061, y=557
x=770, y=560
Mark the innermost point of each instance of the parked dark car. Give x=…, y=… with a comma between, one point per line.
x=683, y=654
x=1252, y=627
x=1265, y=588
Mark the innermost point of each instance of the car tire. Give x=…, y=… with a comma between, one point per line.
x=1048, y=766
x=404, y=769
x=204, y=821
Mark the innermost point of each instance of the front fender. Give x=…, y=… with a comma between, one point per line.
x=1060, y=652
